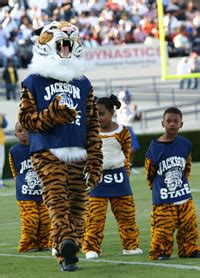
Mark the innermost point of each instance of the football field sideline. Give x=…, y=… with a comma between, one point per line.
x=162, y=265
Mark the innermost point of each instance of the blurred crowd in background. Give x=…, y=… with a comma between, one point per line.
x=101, y=22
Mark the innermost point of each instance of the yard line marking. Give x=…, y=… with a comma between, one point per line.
x=9, y=223
x=7, y=194
x=195, y=190
x=6, y=244
x=177, y=266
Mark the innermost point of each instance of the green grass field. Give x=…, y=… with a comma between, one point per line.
x=111, y=263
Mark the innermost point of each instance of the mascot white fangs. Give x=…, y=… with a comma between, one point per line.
x=57, y=46
x=57, y=108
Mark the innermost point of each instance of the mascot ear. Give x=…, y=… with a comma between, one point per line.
x=37, y=32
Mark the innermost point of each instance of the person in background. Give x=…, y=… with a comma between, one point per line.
x=168, y=164
x=183, y=68
x=3, y=124
x=35, y=221
x=194, y=63
x=114, y=186
x=126, y=115
x=10, y=77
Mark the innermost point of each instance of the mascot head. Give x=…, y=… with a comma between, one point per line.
x=56, y=52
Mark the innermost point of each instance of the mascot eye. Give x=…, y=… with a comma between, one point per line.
x=64, y=48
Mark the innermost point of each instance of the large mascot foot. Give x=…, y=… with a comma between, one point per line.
x=68, y=251
x=68, y=267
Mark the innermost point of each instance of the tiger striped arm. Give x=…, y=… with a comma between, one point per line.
x=94, y=165
x=12, y=166
x=125, y=140
x=39, y=121
x=188, y=166
x=150, y=172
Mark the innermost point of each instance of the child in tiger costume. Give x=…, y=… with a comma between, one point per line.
x=35, y=222
x=57, y=107
x=114, y=186
x=168, y=166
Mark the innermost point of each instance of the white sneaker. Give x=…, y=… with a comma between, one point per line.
x=136, y=251
x=53, y=252
x=91, y=255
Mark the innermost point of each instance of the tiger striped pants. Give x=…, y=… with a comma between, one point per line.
x=35, y=226
x=165, y=219
x=65, y=195
x=123, y=209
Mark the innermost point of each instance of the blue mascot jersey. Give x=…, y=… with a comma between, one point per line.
x=61, y=135
x=114, y=183
x=28, y=185
x=170, y=184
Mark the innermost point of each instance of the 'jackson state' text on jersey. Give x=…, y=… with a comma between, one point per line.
x=28, y=185
x=44, y=90
x=170, y=184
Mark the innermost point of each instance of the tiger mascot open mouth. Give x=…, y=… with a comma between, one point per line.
x=57, y=45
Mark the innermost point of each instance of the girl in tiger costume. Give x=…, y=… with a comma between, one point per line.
x=57, y=108
x=35, y=222
x=168, y=166
x=114, y=186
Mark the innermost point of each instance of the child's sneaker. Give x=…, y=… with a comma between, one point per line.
x=54, y=252
x=136, y=251
x=91, y=255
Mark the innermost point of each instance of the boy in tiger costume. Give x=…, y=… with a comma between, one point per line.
x=35, y=222
x=168, y=166
x=57, y=108
x=114, y=186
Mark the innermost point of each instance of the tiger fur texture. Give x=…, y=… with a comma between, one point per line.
x=39, y=217
x=57, y=108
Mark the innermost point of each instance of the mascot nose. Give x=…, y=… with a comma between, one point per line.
x=67, y=29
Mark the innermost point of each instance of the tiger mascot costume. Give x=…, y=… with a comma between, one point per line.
x=57, y=108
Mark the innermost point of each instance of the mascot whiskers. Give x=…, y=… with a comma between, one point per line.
x=57, y=108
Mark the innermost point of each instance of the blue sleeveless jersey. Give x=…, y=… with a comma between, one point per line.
x=114, y=183
x=170, y=184
x=28, y=185
x=61, y=135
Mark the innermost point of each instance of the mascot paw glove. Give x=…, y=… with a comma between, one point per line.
x=91, y=178
x=61, y=111
x=67, y=101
